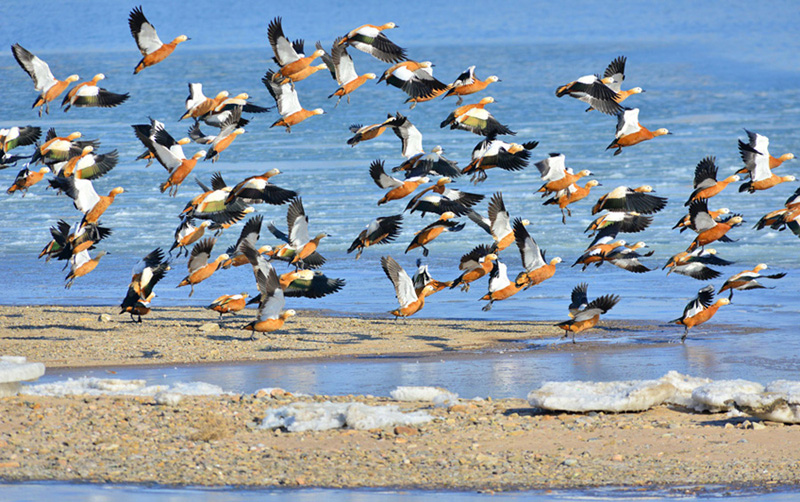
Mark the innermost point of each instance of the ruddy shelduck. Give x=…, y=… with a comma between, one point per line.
x=146, y=274
x=588, y=316
x=748, y=279
x=434, y=230
x=199, y=267
x=630, y=132
x=498, y=224
x=410, y=302
x=88, y=94
x=705, y=180
x=288, y=103
x=708, y=230
x=370, y=39
x=381, y=230
x=26, y=179
x=696, y=264
x=475, y=264
x=699, y=310
x=152, y=48
x=48, y=86
x=467, y=83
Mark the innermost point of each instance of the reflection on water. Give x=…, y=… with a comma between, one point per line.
x=499, y=374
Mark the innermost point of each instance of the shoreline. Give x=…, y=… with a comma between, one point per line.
x=75, y=337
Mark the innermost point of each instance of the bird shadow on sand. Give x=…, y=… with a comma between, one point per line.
x=228, y=338
x=41, y=337
x=429, y=338
x=354, y=338
x=270, y=348
x=725, y=421
x=527, y=412
x=492, y=329
x=58, y=326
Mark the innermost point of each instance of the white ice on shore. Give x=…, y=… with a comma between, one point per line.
x=298, y=417
x=720, y=395
x=16, y=369
x=684, y=386
x=435, y=395
x=698, y=394
x=620, y=396
x=118, y=387
x=780, y=402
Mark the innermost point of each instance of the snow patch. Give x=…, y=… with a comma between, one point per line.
x=436, y=395
x=298, y=417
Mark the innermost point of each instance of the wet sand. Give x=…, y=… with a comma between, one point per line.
x=475, y=445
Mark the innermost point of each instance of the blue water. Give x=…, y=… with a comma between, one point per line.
x=104, y=493
x=709, y=70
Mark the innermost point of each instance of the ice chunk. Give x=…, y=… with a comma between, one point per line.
x=780, y=402
x=298, y=417
x=684, y=386
x=117, y=387
x=16, y=369
x=719, y=396
x=436, y=395
x=634, y=395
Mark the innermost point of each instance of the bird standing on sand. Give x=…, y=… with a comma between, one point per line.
x=146, y=274
x=229, y=304
x=152, y=48
x=271, y=315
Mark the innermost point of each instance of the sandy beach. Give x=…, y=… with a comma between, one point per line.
x=216, y=440
x=68, y=337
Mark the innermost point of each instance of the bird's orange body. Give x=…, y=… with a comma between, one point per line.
x=701, y=316
x=156, y=56
x=398, y=193
x=269, y=325
x=578, y=326
x=708, y=236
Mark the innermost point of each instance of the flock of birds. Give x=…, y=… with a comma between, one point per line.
x=75, y=164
